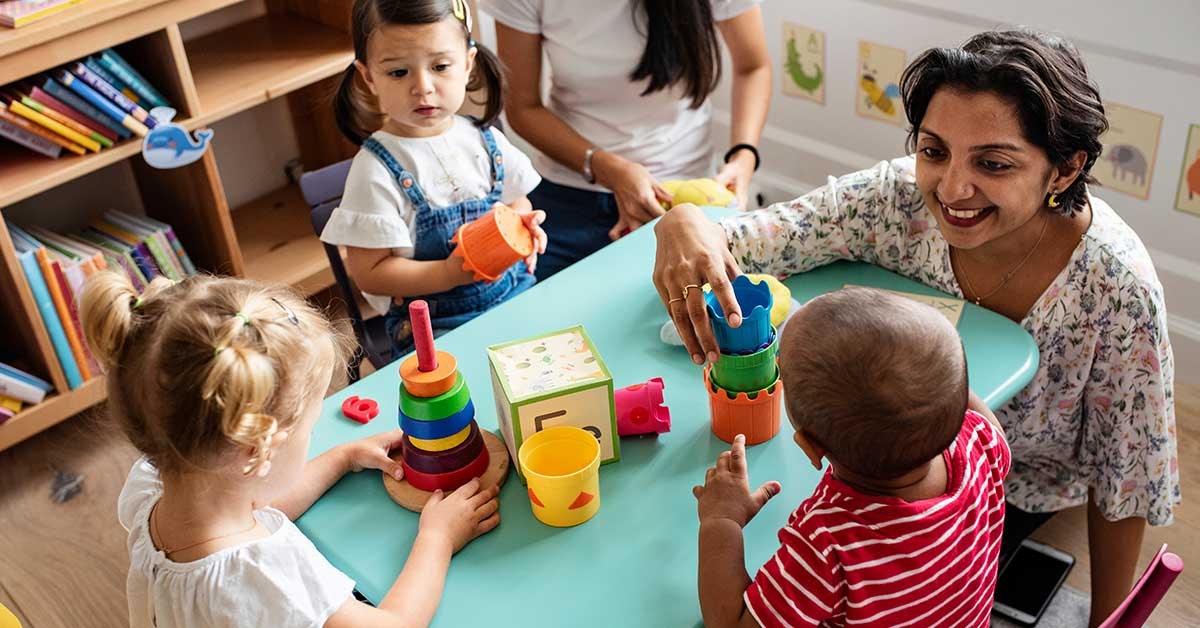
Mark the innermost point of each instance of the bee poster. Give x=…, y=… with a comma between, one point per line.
x=1187, y=199
x=1130, y=145
x=804, y=62
x=878, y=82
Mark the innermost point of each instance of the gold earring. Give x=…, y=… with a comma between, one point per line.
x=1053, y=200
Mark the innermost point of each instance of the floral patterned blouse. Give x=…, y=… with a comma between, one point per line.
x=1099, y=412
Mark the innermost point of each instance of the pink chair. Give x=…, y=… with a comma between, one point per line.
x=1147, y=592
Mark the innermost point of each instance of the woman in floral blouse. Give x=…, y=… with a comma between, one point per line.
x=994, y=206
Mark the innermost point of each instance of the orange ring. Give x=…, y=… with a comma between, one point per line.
x=438, y=381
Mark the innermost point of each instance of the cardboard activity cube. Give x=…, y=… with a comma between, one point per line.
x=553, y=379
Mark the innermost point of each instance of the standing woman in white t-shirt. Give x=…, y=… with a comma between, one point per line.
x=628, y=106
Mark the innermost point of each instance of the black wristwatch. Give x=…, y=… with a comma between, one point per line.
x=736, y=147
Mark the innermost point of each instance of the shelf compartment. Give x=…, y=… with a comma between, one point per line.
x=50, y=412
x=257, y=60
x=278, y=244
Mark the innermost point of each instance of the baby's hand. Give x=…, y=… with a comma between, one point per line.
x=533, y=221
x=461, y=516
x=726, y=491
x=372, y=453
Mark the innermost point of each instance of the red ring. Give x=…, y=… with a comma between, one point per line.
x=450, y=480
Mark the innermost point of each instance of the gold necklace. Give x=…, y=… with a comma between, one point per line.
x=154, y=529
x=449, y=177
x=1008, y=275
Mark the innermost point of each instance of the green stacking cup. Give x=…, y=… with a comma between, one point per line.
x=748, y=373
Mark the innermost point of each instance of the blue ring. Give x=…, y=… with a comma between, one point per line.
x=448, y=426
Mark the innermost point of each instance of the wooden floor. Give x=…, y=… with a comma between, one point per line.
x=64, y=564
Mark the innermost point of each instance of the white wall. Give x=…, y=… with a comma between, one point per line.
x=1145, y=55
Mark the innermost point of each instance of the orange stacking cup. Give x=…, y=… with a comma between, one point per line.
x=757, y=418
x=492, y=243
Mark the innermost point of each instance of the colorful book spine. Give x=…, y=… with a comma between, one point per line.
x=39, y=130
x=5, y=415
x=120, y=68
x=35, y=143
x=113, y=259
x=46, y=99
x=45, y=305
x=32, y=380
x=70, y=281
x=82, y=130
x=99, y=70
x=10, y=404
x=188, y=267
x=100, y=102
x=143, y=271
x=16, y=389
x=164, y=256
x=54, y=88
x=56, y=284
x=24, y=111
x=112, y=93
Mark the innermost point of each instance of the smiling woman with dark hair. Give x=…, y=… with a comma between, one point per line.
x=994, y=206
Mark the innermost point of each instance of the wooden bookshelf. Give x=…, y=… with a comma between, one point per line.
x=295, y=51
x=260, y=60
x=277, y=240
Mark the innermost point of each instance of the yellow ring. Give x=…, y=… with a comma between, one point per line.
x=441, y=444
x=688, y=287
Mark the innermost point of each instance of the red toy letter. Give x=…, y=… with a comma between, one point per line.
x=361, y=410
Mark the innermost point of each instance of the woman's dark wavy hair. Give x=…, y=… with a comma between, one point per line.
x=353, y=107
x=681, y=48
x=1042, y=75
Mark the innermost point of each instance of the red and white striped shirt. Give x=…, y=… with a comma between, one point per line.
x=850, y=559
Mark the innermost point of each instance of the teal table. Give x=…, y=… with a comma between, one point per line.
x=634, y=563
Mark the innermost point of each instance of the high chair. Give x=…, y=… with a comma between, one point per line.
x=1147, y=592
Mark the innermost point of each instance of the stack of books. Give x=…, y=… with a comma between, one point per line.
x=18, y=389
x=84, y=107
x=57, y=266
x=18, y=13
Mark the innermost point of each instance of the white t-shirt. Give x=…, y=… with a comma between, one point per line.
x=593, y=47
x=280, y=580
x=452, y=167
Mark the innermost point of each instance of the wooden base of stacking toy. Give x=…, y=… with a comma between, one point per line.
x=414, y=498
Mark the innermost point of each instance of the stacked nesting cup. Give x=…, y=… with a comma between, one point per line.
x=744, y=391
x=443, y=447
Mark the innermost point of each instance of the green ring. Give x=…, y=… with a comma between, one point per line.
x=436, y=408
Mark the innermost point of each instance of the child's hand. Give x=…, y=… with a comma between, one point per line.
x=726, y=491
x=533, y=221
x=372, y=453
x=461, y=516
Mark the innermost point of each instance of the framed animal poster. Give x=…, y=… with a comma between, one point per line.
x=878, y=82
x=1187, y=199
x=1130, y=146
x=804, y=62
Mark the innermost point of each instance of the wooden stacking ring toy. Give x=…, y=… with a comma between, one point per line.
x=439, y=461
x=435, y=408
x=448, y=426
x=433, y=383
x=441, y=444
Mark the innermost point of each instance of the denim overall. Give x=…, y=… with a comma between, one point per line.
x=433, y=229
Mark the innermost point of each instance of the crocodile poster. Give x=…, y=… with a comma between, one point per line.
x=804, y=62
x=878, y=79
x=1130, y=146
x=1187, y=198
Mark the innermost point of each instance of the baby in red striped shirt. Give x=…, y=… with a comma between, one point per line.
x=904, y=527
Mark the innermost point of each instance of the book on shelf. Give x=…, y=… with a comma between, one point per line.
x=27, y=249
x=156, y=242
x=96, y=126
x=18, y=107
x=100, y=102
x=137, y=249
x=57, y=90
x=10, y=404
x=92, y=64
x=39, y=130
x=126, y=73
x=169, y=233
x=28, y=139
x=18, y=13
x=66, y=121
x=120, y=253
x=32, y=389
x=71, y=273
x=5, y=415
x=112, y=94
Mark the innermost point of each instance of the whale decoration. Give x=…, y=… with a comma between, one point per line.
x=168, y=144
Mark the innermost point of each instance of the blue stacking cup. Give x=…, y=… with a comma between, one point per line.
x=755, y=301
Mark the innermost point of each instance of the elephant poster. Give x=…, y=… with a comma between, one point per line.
x=1130, y=147
x=1187, y=198
x=878, y=80
x=804, y=62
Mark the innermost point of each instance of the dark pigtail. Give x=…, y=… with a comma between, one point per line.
x=489, y=74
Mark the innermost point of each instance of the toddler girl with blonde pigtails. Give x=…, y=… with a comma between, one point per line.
x=219, y=382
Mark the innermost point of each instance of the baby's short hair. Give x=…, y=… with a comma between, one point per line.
x=877, y=380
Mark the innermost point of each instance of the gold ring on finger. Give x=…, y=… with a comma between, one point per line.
x=689, y=287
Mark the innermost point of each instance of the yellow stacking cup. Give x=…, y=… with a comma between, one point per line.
x=562, y=467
